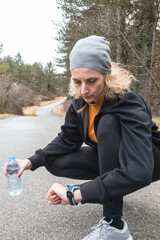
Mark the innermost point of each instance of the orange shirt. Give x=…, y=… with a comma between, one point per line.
x=93, y=110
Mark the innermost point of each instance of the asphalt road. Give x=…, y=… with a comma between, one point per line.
x=29, y=217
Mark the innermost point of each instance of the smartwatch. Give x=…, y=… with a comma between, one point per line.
x=70, y=196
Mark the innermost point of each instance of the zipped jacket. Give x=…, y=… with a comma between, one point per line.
x=138, y=133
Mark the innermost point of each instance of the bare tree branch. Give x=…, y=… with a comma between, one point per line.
x=143, y=64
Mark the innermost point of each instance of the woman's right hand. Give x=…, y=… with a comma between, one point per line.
x=24, y=164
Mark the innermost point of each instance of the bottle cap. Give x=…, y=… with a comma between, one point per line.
x=11, y=158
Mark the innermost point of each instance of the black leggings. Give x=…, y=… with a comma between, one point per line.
x=83, y=165
x=88, y=163
x=156, y=172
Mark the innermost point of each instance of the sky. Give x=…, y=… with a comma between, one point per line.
x=26, y=26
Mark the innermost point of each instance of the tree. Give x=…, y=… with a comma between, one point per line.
x=10, y=69
x=51, y=80
x=130, y=26
x=37, y=78
x=21, y=69
x=1, y=48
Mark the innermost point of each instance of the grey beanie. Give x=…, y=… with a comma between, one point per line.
x=91, y=52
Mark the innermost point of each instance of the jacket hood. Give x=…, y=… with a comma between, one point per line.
x=78, y=103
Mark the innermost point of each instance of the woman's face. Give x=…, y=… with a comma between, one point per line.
x=89, y=83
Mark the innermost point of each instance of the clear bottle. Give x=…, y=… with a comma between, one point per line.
x=14, y=183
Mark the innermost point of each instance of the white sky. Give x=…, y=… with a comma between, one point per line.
x=26, y=27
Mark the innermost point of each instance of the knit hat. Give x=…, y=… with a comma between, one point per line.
x=91, y=52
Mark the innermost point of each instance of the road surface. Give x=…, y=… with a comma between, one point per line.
x=29, y=217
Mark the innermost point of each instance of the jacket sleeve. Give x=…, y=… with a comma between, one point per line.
x=135, y=154
x=68, y=140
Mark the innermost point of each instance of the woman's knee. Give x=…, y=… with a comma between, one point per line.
x=56, y=167
x=109, y=123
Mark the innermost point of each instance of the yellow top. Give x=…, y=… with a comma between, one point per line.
x=93, y=110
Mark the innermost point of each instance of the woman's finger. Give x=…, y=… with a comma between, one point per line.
x=50, y=193
x=55, y=202
x=20, y=172
x=53, y=197
x=4, y=169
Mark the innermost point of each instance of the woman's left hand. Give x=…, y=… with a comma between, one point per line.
x=57, y=195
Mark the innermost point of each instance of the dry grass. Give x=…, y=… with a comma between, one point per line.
x=2, y=116
x=61, y=110
x=58, y=110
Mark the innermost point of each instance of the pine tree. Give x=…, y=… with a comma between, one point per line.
x=51, y=80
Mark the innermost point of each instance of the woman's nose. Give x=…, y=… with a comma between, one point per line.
x=84, y=89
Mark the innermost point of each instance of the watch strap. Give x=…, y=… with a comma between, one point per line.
x=70, y=196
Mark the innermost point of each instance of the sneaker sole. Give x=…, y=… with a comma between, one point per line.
x=130, y=238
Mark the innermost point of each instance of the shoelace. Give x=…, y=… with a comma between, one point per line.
x=99, y=225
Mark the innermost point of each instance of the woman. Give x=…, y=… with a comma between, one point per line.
x=123, y=143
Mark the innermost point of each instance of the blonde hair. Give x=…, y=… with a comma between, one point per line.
x=118, y=82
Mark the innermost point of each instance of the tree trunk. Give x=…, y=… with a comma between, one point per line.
x=150, y=80
x=120, y=55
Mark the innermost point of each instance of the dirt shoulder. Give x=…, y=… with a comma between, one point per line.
x=31, y=111
x=58, y=110
x=61, y=109
x=2, y=116
x=157, y=121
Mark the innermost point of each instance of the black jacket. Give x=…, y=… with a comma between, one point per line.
x=135, y=152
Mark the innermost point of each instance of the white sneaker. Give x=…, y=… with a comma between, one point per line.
x=104, y=231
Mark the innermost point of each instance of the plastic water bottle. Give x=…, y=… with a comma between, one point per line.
x=14, y=183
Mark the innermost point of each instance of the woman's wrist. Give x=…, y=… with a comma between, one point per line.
x=77, y=195
x=29, y=164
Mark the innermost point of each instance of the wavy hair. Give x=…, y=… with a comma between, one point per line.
x=118, y=82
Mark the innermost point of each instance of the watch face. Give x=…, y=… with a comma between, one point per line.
x=69, y=194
